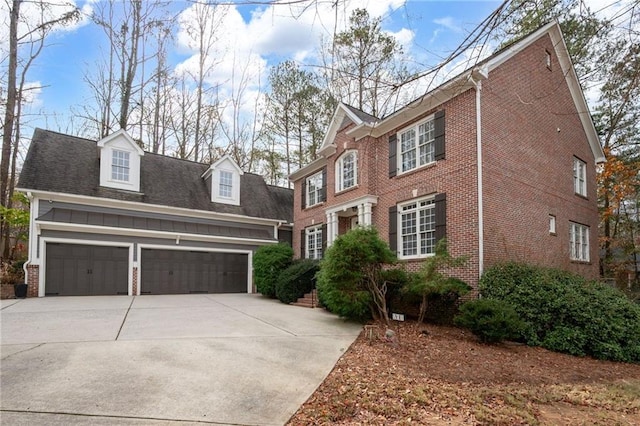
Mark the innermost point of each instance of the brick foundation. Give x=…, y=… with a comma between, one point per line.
x=134, y=287
x=33, y=280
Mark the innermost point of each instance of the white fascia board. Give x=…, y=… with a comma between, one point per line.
x=431, y=100
x=336, y=121
x=120, y=134
x=577, y=93
x=348, y=204
x=144, y=207
x=316, y=164
x=111, y=230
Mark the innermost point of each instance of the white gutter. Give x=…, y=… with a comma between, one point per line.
x=477, y=77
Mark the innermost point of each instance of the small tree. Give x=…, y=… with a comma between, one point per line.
x=431, y=280
x=268, y=263
x=350, y=276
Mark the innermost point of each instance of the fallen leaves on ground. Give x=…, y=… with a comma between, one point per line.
x=435, y=375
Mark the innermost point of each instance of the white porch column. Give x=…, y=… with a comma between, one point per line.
x=367, y=214
x=332, y=228
x=361, y=215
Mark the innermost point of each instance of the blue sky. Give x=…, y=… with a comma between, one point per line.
x=427, y=29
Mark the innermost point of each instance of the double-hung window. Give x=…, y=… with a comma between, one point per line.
x=347, y=171
x=225, y=188
x=579, y=242
x=579, y=177
x=417, y=228
x=314, y=242
x=417, y=145
x=120, y=165
x=314, y=189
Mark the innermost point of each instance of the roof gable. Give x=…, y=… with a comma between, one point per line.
x=120, y=138
x=343, y=113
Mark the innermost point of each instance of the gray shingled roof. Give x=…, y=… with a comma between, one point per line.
x=68, y=164
x=367, y=118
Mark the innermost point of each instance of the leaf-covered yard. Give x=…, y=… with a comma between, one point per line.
x=442, y=375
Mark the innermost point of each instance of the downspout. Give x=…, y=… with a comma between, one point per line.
x=31, y=231
x=477, y=77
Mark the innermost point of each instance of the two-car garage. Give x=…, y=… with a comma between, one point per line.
x=79, y=270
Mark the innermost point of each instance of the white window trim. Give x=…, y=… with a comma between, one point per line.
x=579, y=177
x=317, y=192
x=552, y=225
x=399, y=242
x=234, y=199
x=313, y=233
x=339, y=169
x=579, y=232
x=415, y=127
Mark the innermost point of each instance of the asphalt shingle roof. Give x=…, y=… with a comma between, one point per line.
x=62, y=163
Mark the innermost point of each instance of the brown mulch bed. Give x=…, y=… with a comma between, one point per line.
x=442, y=375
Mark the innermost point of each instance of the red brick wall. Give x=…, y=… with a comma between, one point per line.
x=135, y=282
x=33, y=280
x=528, y=164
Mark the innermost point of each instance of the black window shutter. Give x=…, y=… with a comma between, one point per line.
x=441, y=216
x=439, y=135
x=323, y=192
x=393, y=149
x=304, y=193
x=324, y=238
x=303, y=244
x=393, y=229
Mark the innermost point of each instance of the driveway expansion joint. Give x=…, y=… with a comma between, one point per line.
x=125, y=317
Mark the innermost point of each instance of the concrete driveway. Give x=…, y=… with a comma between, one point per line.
x=235, y=359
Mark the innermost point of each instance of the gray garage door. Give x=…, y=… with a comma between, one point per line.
x=83, y=270
x=180, y=272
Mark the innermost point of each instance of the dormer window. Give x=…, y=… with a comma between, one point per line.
x=120, y=162
x=226, y=184
x=223, y=179
x=120, y=165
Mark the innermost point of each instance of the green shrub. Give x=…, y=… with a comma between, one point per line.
x=296, y=280
x=491, y=320
x=350, y=281
x=564, y=312
x=268, y=263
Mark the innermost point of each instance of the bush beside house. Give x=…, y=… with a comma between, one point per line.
x=297, y=280
x=268, y=263
x=564, y=312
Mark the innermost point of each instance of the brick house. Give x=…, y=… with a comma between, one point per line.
x=500, y=159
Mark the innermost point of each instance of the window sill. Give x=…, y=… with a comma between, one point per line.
x=415, y=258
x=416, y=170
x=316, y=205
x=581, y=262
x=584, y=197
x=346, y=190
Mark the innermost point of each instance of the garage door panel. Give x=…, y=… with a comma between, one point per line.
x=193, y=272
x=83, y=270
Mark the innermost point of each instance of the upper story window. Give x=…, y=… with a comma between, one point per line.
x=417, y=145
x=579, y=242
x=226, y=184
x=579, y=177
x=347, y=171
x=314, y=186
x=120, y=165
x=417, y=228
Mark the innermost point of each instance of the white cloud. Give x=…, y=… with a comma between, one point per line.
x=449, y=23
x=243, y=48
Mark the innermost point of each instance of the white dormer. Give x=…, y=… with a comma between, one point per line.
x=225, y=181
x=120, y=162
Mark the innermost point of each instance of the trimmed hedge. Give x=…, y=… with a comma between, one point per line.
x=296, y=280
x=564, y=312
x=268, y=263
x=489, y=319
